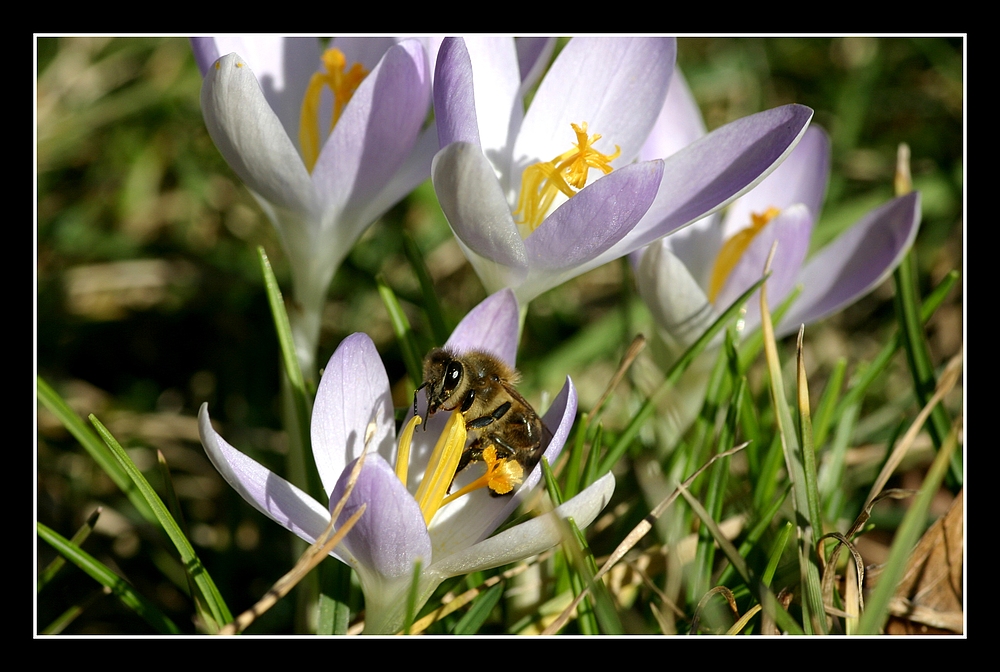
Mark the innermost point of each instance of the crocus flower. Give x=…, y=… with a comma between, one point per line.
x=538, y=197
x=325, y=141
x=689, y=278
x=403, y=523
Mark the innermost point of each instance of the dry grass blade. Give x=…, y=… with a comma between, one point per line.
x=949, y=377
x=634, y=348
x=743, y=620
x=633, y=537
x=830, y=571
x=313, y=555
x=718, y=590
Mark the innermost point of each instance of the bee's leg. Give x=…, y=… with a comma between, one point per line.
x=488, y=420
x=474, y=453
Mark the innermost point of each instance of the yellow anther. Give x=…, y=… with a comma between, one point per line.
x=567, y=174
x=403, y=454
x=733, y=249
x=442, y=465
x=343, y=83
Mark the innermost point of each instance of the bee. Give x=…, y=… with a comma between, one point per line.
x=482, y=387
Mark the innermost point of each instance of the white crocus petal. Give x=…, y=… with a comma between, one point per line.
x=267, y=492
x=284, y=65
x=531, y=537
x=675, y=298
x=678, y=124
x=478, y=212
x=353, y=394
x=250, y=136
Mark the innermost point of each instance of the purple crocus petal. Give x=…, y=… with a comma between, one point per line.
x=267, y=492
x=531, y=537
x=592, y=80
x=595, y=219
x=854, y=263
x=391, y=535
x=801, y=178
x=205, y=52
x=474, y=516
x=792, y=230
x=678, y=124
x=374, y=136
x=708, y=174
x=251, y=138
x=454, y=95
x=492, y=326
x=675, y=298
x=353, y=393
x=477, y=210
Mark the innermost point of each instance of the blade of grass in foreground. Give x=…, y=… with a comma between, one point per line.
x=93, y=445
x=808, y=525
x=193, y=565
x=100, y=573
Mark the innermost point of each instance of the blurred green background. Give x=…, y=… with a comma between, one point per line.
x=150, y=300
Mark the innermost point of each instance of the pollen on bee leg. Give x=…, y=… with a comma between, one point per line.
x=502, y=476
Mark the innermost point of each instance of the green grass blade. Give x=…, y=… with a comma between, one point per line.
x=79, y=537
x=812, y=604
x=193, y=565
x=907, y=300
x=404, y=333
x=93, y=445
x=806, y=436
x=649, y=407
x=777, y=549
x=860, y=386
x=100, y=573
x=432, y=307
x=480, y=610
x=300, y=397
x=823, y=417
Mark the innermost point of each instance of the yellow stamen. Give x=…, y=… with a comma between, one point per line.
x=567, y=173
x=502, y=476
x=343, y=83
x=403, y=456
x=734, y=248
x=441, y=467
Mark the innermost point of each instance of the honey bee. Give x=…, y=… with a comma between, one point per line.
x=482, y=387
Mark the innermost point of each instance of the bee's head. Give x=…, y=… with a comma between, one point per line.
x=443, y=377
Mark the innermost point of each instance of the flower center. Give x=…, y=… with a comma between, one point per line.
x=734, y=248
x=567, y=174
x=343, y=83
x=502, y=474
